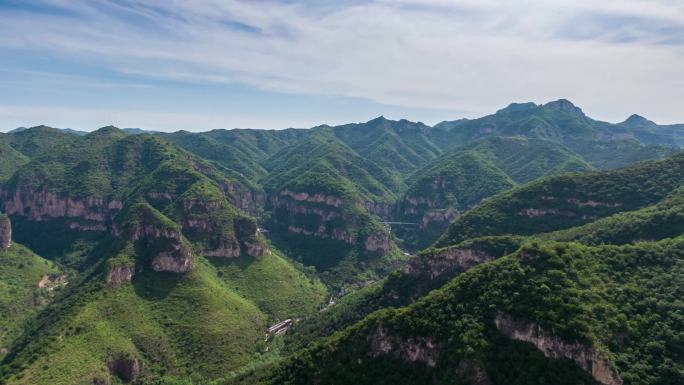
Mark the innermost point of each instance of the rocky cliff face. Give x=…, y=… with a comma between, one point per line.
x=450, y=260
x=246, y=200
x=125, y=369
x=86, y=214
x=378, y=242
x=118, y=275
x=585, y=356
x=168, y=249
x=5, y=232
x=382, y=210
x=218, y=230
x=326, y=217
x=316, y=215
x=427, y=212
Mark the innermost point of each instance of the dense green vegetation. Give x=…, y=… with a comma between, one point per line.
x=569, y=200
x=428, y=271
x=601, y=144
x=665, y=219
x=183, y=248
x=622, y=300
x=208, y=320
x=526, y=159
x=20, y=297
x=11, y=159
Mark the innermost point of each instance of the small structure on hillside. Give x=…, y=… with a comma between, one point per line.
x=279, y=329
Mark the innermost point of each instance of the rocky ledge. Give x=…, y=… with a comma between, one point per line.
x=162, y=239
x=118, y=275
x=586, y=357
x=378, y=242
x=446, y=262
x=93, y=213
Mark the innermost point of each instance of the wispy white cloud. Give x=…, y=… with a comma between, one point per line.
x=611, y=56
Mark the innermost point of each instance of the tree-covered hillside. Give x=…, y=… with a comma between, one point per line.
x=557, y=313
x=169, y=277
x=305, y=256
x=569, y=200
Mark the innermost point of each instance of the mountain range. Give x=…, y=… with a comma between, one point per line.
x=533, y=245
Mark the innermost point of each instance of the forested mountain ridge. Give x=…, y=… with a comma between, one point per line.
x=148, y=257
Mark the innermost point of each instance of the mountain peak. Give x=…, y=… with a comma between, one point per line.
x=107, y=131
x=518, y=107
x=564, y=105
x=379, y=119
x=637, y=120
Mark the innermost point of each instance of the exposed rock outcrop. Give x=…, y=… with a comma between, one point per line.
x=126, y=369
x=178, y=260
x=383, y=210
x=313, y=198
x=453, y=259
x=5, y=232
x=586, y=357
x=317, y=208
x=52, y=281
x=162, y=238
x=418, y=349
x=440, y=216
x=378, y=242
x=92, y=213
x=118, y=275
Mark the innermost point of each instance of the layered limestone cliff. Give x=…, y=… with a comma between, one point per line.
x=5, y=232
x=586, y=357
x=427, y=212
x=218, y=230
x=381, y=209
x=327, y=217
x=163, y=240
x=446, y=262
x=86, y=214
x=316, y=215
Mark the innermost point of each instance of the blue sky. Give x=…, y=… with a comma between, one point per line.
x=199, y=65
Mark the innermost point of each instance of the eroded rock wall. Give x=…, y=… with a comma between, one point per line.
x=86, y=214
x=586, y=357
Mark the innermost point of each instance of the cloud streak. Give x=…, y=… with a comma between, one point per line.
x=609, y=56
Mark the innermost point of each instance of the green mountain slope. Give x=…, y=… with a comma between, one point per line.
x=239, y=150
x=174, y=279
x=600, y=143
x=37, y=140
x=442, y=190
x=11, y=159
x=430, y=270
x=461, y=178
x=527, y=159
x=400, y=146
x=585, y=305
x=568, y=201
x=27, y=283
x=664, y=219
